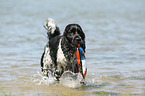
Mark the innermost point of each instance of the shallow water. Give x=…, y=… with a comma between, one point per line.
x=115, y=46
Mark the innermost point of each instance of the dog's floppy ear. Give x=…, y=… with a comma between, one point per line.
x=67, y=29
x=81, y=33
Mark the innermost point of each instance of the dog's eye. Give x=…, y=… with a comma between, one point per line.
x=78, y=31
x=73, y=30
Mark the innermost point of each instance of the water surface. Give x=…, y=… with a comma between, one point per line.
x=115, y=39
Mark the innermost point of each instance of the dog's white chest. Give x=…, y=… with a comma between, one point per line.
x=60, y=56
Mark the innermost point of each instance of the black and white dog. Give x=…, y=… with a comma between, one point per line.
x=60, y=51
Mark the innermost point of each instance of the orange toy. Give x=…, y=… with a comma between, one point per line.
x=81, y=62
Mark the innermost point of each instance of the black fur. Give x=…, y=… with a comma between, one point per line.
x=56, y=33
x=53, y=45
x=71, y=28
x=72, y=36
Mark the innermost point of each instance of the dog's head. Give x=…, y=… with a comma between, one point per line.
x=75, y=35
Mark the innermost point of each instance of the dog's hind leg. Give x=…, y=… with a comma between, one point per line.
x=59, y=71
x=41, y=62
x=46, y=62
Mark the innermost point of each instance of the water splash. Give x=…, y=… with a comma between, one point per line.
x=39, y=79
x=71, y=80
x=68, y=79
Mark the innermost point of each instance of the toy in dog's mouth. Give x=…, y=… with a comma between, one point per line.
x=81, y=62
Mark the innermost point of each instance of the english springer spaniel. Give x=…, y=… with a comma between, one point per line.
x=60, y=52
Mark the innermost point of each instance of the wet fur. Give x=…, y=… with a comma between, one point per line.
x=62, y=49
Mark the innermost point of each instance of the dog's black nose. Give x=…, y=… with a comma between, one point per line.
x=79, y=41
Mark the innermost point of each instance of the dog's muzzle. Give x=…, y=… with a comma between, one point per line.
x=78, y=40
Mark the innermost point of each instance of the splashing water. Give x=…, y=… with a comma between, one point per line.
x=39, y=79
x=67, y=79
x=71, y=80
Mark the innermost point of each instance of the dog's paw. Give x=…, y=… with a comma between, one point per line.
x=57, y=74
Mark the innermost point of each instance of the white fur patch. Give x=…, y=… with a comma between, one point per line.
x=47, y=59
x=60, y=56
x=50, y=25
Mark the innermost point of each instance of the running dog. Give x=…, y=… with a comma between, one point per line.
x=60, y=52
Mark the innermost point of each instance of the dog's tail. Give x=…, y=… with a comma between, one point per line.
x=52, y=29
